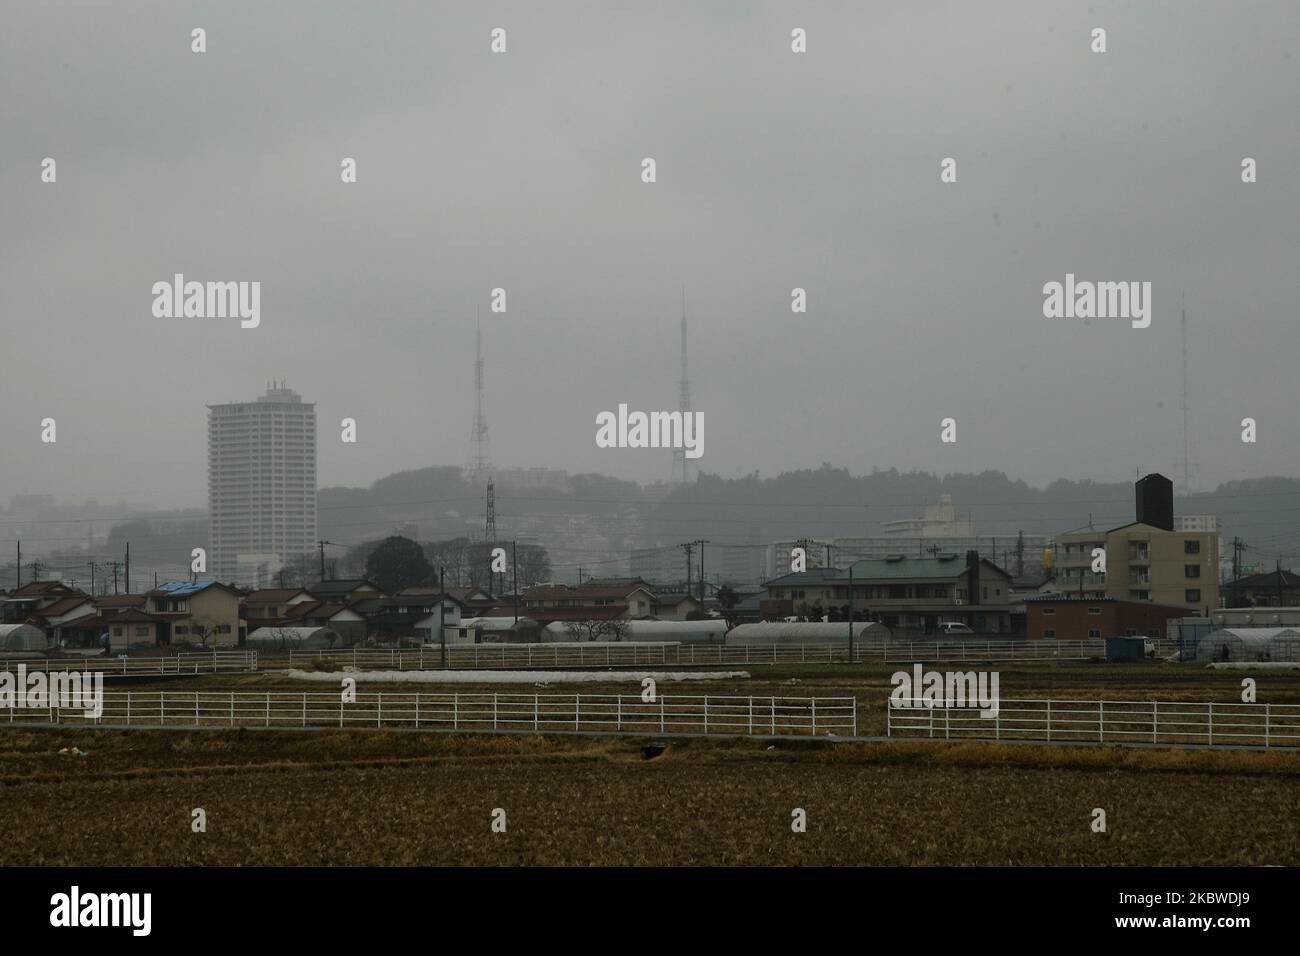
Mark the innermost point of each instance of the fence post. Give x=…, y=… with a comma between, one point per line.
x=196, y=708
x=751, y=715
x=535, y=724
x=340, y=711
x=162, y=707
x=706, y=715
x=618, y=707
x=1211, y=723
x=945, y=723
x=494, y=711
x=1049, y=719
x=455, y=711
x=773, y=716
x=577, y=710
x=1266, y=723
x=379, y=710
x=304, y=708
x=814, y=716
x=1155, y=721
x=1101, y=721
x=268, y=709
x=661, y=714
x=232, y=708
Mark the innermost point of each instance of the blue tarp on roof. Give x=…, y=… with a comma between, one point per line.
x=183, y=588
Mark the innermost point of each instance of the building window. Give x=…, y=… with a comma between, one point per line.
x=1094, y=632
x=1049, y=610
x=117, y=632
x=1191, y=570
x=1192, y=595
x=1094, y=610
x=1191, y=547
x=1049, y=633
x=142, y=630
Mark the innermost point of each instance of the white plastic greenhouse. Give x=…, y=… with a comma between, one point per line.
x=1249, y=644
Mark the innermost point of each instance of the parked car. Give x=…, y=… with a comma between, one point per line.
x=954, y=628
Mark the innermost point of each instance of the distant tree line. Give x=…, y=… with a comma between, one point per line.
x=396, y=562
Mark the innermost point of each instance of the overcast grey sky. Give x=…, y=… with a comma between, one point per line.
x=775, y=170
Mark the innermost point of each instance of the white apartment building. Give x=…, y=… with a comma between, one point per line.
x=261, y=485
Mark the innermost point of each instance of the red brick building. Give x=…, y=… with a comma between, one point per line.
x=1074, y=618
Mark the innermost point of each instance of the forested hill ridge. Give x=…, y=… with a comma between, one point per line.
x=823, y=502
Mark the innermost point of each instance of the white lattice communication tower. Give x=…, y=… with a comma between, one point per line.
x=682, y=464
x=480, y=464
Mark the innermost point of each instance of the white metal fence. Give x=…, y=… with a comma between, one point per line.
x=524, y=656
x=124, y=666
x=543, y=713
x=1174, y=723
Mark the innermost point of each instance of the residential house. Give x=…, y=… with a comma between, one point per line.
x=594, y=601
x=408, y=618
x=202, y=612
x=910, y=596
x=1279, y=588
x=345, y=591
x=31, y=598
x=1069, y=617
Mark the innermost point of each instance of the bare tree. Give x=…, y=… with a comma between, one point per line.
x=611, y=630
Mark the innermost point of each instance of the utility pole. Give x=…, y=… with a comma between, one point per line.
x=514, y=558
x=689, y=548
x=701, y=542
x=850, y=614
x=1020, y=553
x=1187, y=465
x=128, y=567
x=442, y=613
x=92, y=577
x=18, y=567
x=321, y=546
x=115, y=565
